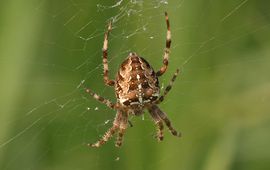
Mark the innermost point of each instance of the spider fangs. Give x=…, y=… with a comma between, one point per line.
x=136, y=88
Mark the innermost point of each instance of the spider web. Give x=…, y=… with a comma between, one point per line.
x=218, y=101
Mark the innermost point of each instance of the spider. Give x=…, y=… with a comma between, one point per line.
x=136, y=88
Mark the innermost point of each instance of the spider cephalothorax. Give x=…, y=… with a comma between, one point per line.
x=136, y=88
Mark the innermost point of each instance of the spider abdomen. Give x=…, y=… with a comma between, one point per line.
x=136, y=82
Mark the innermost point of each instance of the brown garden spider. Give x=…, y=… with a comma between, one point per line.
x=136, y=88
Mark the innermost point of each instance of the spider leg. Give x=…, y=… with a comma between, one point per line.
x=109, y=133
x=101, y=99
x=168, y=88
x=107, y=81
x=159, y=124
x=122, y=128
x=130, y=123
x=160, y=130
x=165, y=118
x=167, y=49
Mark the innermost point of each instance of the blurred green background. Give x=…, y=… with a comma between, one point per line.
x=50, y=50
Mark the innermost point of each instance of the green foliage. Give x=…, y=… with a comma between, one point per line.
x=51, y=50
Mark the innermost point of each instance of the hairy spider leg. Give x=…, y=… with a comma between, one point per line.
x=155, y=109
x=122, y=129
x=109, y=133
x=101, y=99
x=168, y=88
x=107, y=81
x=167, y=49
x=159, y=124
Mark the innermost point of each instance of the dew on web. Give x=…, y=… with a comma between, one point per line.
x=117, y=158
